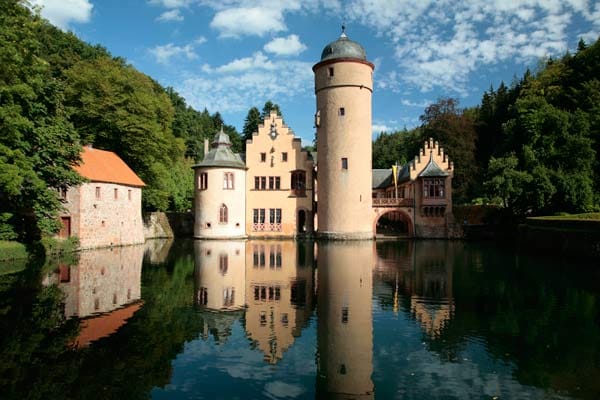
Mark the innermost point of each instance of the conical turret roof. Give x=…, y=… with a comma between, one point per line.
x=221, y=155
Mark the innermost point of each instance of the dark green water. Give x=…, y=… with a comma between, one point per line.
x=282, y=319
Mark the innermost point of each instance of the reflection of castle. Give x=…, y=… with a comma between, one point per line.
x=220, y=274
x=345, y=333
x=423, y=272
x=271, y=280
x=105, y=285
x=279, y=285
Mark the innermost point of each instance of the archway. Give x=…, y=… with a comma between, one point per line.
x=393, y=223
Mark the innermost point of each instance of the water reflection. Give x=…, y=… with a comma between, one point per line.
x=220, y=274
x=422, y=273
x=345, y=320
x=103, y=289
x=256, y=319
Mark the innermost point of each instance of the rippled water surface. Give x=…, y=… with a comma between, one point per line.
x=296, y=320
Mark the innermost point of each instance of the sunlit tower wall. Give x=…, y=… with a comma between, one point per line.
x=343, y=87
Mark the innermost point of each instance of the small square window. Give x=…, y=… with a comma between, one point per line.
x=263, y=157
x=344, y=163
x=342, y=112
x=330, y=72
x=284, y=157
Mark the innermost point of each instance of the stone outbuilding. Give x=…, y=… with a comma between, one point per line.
x=106, y=210
x=220, y=192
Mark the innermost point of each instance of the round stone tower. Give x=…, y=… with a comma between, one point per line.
x=343, y=86
x=220, y=192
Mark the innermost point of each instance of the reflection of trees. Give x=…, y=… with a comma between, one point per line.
x=126, y=365
x=33, y=335
x=530, y=312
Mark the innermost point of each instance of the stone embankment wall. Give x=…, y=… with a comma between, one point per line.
x=168, y=225
x=575, y=238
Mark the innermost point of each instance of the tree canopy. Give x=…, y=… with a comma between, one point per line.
x=58, y=93
x=530, y=148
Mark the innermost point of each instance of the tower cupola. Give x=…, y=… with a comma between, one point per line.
x=343, y=47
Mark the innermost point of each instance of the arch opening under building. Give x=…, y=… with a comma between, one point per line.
x=393, y=223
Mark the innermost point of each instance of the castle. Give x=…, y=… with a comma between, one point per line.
x=280, y=190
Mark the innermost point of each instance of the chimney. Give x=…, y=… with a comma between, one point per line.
x=205, y=147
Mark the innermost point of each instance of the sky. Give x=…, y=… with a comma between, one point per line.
x=231, y=55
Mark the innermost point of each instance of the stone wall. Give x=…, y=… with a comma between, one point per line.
x=105, y=214
x=168, y=225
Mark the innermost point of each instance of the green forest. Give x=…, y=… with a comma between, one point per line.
x=58, y=93
x=530, y=148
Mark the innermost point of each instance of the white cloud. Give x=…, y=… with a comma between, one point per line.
x=244, y=82
x=439, y=44
x=171, y=15
x=236, y=22
x=419, y=104
x=63, y=12
x=164, y=54
x=285, y=46
x=256, y=62
x=378, y=128
x=171, y=3
x=200, y=40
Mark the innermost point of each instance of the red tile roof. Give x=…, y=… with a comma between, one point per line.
x=92, y=329
x=105, y=166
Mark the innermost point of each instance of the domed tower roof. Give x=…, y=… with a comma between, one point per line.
x=221, y=155
x=343, y=47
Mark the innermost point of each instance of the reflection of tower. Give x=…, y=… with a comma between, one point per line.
x=343, y=86
x=105, y=286
x=280, y=294
x=220, y=272
x=345, y=333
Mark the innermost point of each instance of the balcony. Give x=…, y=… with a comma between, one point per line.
x=434, y=201
x=392, y=202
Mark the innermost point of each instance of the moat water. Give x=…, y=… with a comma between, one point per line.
x=297, y=320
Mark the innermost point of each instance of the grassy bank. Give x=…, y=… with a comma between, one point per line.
x=10, y=250
x=585, y=216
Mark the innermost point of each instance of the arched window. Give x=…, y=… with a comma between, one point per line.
x=223, y=217
x=228, y=180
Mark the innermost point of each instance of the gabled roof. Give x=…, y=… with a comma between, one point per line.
x=432, y=170
x=382, y=178
x=105, y=166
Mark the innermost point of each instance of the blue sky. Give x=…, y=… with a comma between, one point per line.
x=230, y=55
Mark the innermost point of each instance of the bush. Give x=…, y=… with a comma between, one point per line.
x=7, y=231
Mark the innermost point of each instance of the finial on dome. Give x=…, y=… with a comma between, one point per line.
x=343, y=35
